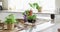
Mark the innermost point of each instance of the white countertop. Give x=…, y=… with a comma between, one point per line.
x=40, y=27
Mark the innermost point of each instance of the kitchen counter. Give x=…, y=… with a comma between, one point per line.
x=40, y=27
x=37, y=28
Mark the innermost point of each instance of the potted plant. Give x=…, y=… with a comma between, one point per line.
x=10, y=20
x=29, y=16
x=36, y=6
x=31, y=19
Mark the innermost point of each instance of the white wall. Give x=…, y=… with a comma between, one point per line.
x=24, y=4
x=57, y=2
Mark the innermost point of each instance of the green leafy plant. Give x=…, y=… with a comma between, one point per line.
x=31, y=5
x=27, y=12
x=33, y=17
x=35, y=5
x=10, y=19
x=30, y=18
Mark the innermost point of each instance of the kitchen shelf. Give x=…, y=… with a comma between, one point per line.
x=18, y=11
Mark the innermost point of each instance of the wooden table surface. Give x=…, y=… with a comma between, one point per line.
x=7, y=31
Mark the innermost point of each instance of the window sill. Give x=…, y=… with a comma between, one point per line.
x=20, y=11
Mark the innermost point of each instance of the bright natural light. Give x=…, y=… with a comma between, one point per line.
x=48, y=5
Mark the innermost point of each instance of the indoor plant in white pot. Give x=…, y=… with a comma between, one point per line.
x=10, y=20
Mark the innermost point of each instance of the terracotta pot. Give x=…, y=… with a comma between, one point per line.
x=10, y=26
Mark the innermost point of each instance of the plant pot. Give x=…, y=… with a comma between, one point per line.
x=40, y=9
x=31, y=21
x=10, y=26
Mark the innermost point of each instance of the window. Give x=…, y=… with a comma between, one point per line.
x=47, y=5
